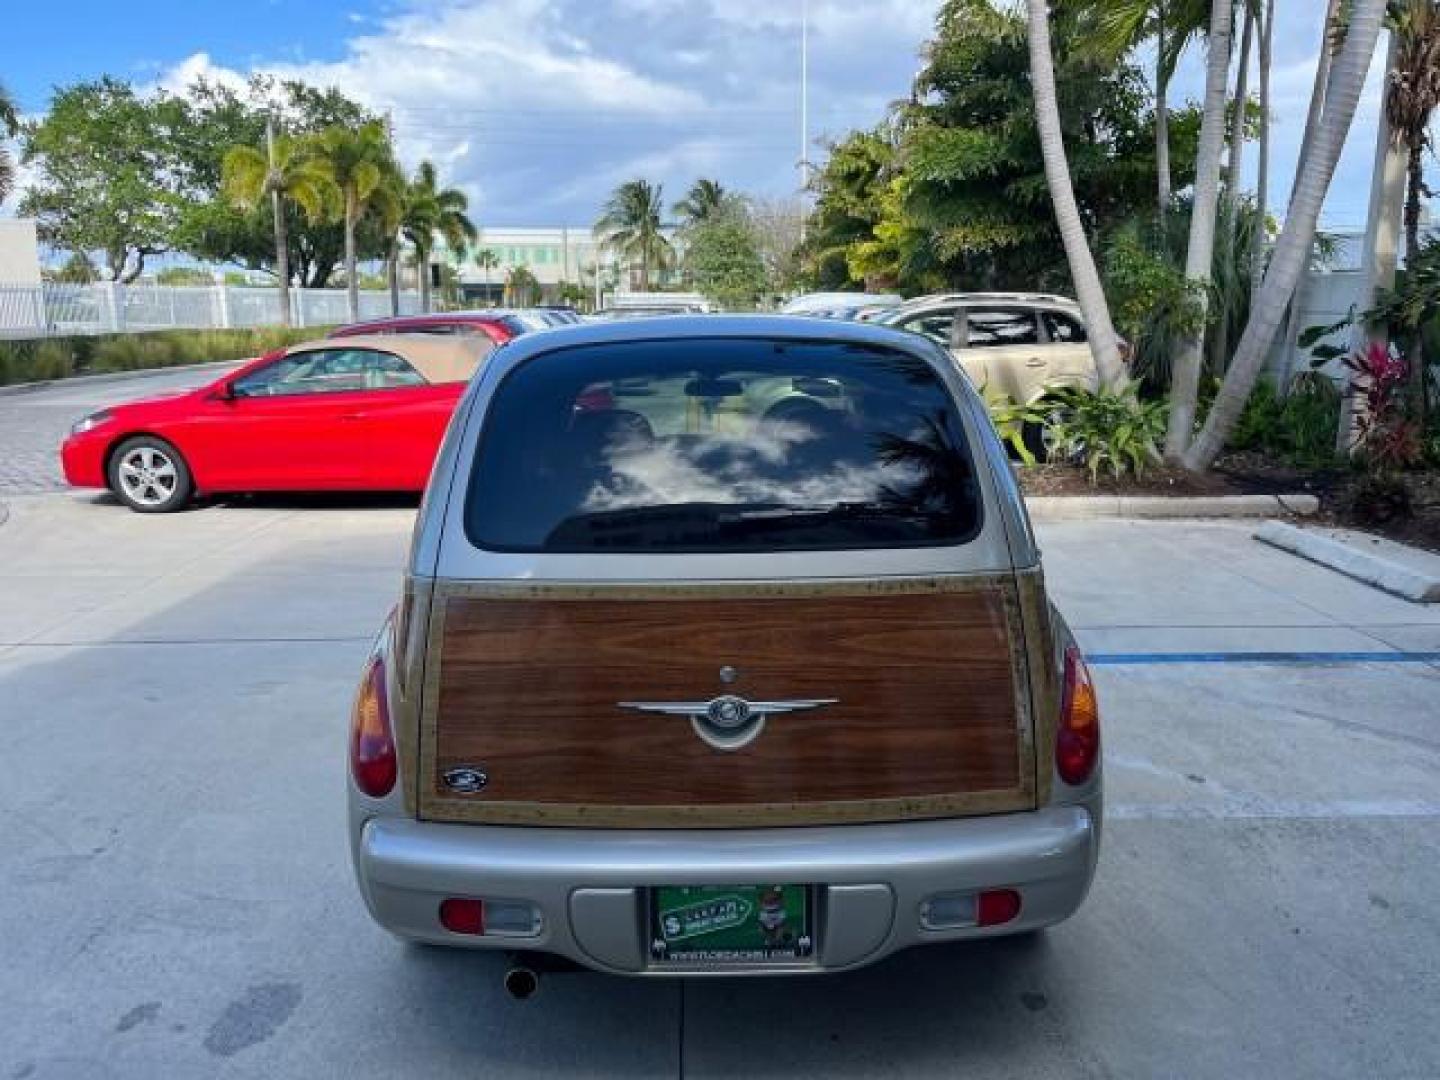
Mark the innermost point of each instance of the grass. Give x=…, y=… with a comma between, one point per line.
x=39, y=360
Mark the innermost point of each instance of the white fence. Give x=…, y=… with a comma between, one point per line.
x=1326, y=298
x=52, y=309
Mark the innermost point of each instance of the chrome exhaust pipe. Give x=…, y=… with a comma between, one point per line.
x=521, y=982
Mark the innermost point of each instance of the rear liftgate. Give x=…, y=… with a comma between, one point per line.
x=729, y=704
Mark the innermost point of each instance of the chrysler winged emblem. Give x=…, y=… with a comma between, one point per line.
x=728, y=722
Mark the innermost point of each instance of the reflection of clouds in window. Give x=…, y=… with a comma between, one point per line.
x=735, y=469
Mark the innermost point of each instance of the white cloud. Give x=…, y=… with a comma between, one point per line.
x=542, y=106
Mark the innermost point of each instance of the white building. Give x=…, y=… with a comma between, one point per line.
x=19, y=252
x=568, y=255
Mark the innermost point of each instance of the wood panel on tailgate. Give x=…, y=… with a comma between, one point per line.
x=930, y=717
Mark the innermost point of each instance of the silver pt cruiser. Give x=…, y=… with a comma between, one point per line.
x=724, y=648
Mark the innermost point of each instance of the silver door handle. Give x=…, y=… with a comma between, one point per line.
x=1035, y=361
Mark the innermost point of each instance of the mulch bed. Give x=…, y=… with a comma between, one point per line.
x=1255, y=474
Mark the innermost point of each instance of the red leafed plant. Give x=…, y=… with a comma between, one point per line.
x=1387, y=437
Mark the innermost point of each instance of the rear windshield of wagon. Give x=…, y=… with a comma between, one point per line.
x=722, y=445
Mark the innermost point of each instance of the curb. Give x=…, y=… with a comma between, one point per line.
x=112, y=376
x=1406, y=572
x=1165, y=507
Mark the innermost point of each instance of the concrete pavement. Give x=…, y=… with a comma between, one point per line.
x=177, y=898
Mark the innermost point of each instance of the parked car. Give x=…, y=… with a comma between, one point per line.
x=1021, y=345
x=705, y=680
x=355, y=413
x=612, y=314
x=811, y=303
x=499, y=326
x=561, y=316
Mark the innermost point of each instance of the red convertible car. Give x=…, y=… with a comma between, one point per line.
x=499, y=326
x=358, y=413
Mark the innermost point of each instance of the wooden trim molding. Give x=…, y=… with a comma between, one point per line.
x=930, y=718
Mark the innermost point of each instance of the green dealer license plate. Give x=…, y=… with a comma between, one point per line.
x=730, y=924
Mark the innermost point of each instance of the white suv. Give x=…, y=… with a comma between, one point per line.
x=1021, y=345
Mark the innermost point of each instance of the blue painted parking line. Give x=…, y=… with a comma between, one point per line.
x=1140, y=659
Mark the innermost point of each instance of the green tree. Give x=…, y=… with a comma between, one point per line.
x=1410, y=103
x=9, y=126
x=487, y=259
x=211, y=118
x=631, y=227
x=850, y=192
x=973, y=193
x=184, y=275
x=78, y=270
x=724, y=260
x=521, y=287
x=704, y=199
x=282, y=172
x=427, y=211
x=101, y=176
x=1115, y=28
x=359, y=162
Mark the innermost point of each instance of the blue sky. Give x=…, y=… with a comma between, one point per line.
x=537, y=108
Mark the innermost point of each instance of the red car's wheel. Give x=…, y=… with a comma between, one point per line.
x=150, y=476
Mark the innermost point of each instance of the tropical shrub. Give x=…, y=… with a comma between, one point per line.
x=1112, y=430
x=1013, y=422
x=1152, y=302
x=1387, y=437
x=1297, y=429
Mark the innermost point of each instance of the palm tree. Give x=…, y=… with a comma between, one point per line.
x=1229, y=213
x=631, y=227
x=1199, y=256
x=1116, y=27
x=282, y=172
x=358, y=162
x=521, y=287
x=1292, y=250
x=1262, y=179
x=1088, y=289
x=387, y=207
x=9, y=126
x=1410, y=103
x=487, y=259
x=701, y=202
x=430, y=210
x=1328, y=50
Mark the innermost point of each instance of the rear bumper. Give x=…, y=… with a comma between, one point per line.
x=590, y=885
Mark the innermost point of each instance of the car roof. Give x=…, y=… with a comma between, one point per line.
x=827, y=300
x=990, y=298
x=696, y=327
x=441, y=317
x=438, y=359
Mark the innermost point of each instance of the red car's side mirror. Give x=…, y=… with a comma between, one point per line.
x=223, y=392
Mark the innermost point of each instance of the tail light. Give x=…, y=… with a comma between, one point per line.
x=1077, y=744
x=372, y=741
x=996, y=906
x=463, y=915
x=486, y=917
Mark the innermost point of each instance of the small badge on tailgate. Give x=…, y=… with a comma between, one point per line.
x=466, y=779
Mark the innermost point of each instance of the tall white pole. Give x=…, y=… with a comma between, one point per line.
x=804, y=104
